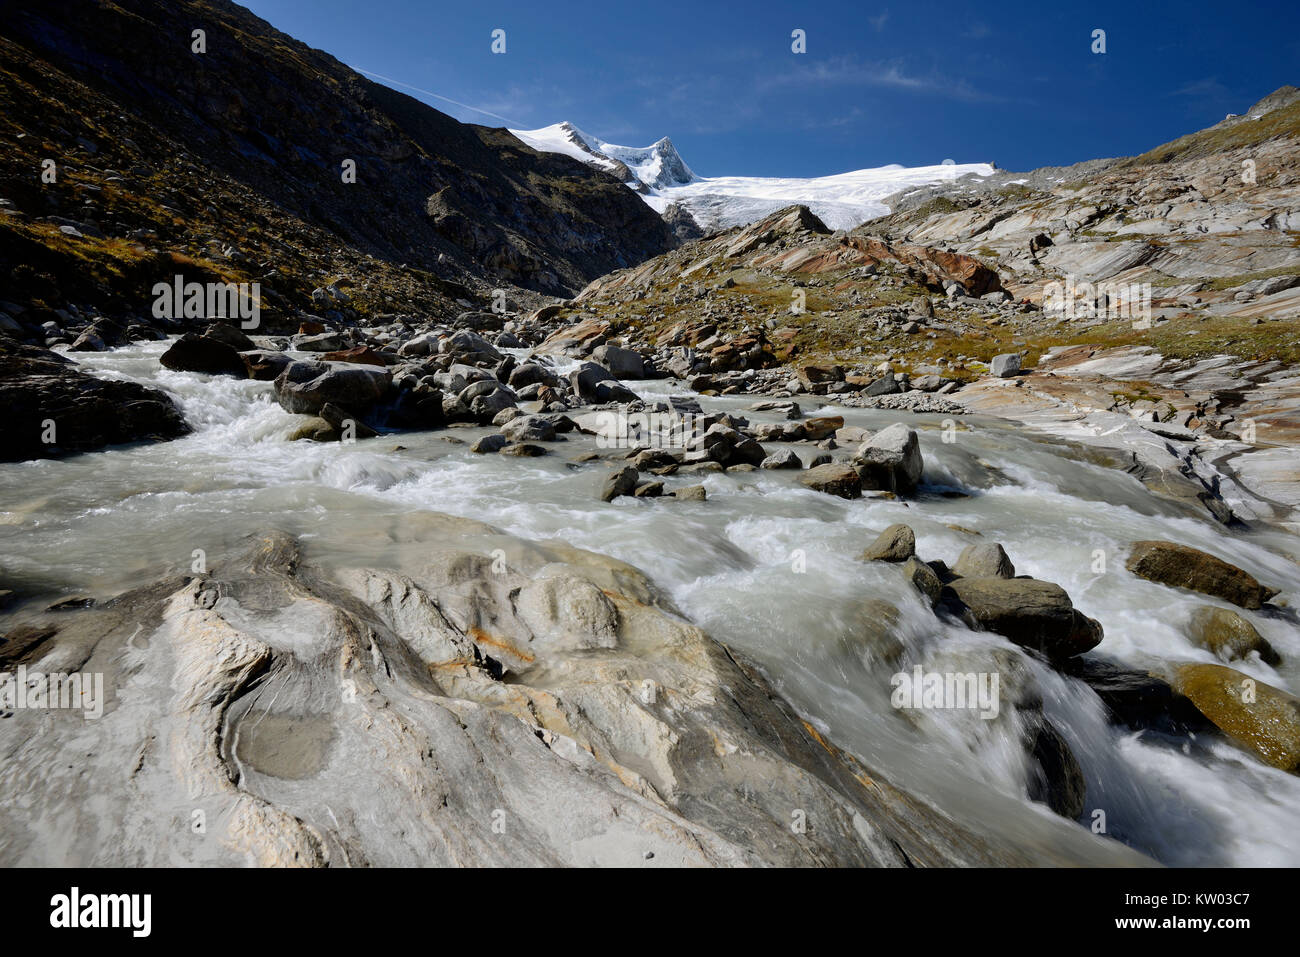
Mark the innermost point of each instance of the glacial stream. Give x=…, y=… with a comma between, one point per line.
x=764, y=565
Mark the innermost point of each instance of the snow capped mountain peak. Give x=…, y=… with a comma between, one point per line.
x=649, y=168
x=663, y=179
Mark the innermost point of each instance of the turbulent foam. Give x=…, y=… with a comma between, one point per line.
x=104, y=521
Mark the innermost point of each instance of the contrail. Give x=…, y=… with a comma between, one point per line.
x=447, y=99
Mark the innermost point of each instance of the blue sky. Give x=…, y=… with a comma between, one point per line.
x=912, y=83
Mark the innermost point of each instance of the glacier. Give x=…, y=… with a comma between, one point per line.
x=662, y=178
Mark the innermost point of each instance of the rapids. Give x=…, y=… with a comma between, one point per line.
x=764, y=565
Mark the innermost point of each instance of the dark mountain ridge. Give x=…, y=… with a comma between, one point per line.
x=278, y=119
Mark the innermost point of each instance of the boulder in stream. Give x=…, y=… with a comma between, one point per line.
x=191, y=353
x=1181, y=566
x=890, y=460
x=1034, y=614
x=52, y=408
x=834, y=479
x=1229, y=635
x=1263, y=719
x=897, y=543
x=305, y=387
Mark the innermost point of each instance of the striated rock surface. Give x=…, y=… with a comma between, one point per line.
x=547, y=709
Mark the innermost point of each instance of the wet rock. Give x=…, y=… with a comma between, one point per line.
x=897, y=543
x=924, y=580
x=567, y=613
x=622, y=482
x=305, y=387
x=594, y=383
x=416, y=407
x=690, y=493
x=1181, y=566
x=1263, y=719
x=651, y=489
x=653, y=459
x=1034, y=614
x=529, y=428
x=314, y=429
x=890, y=460
x=39, y=388
x=494, y=442
x=347, y=424
x=88, y=342
x=230, y=335
x=622, y=730
x=524, y=450
x=834, y=479
x=1136, y=699
x=264, y=366
x=191, y=353
x=1229, y=635
x=873, y=632
x=1056, y=779
x=987, y=560
x=782, y=459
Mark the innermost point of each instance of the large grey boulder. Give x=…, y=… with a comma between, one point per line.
x=1034, y=614
x=987, y=560
x=897, y=543
x=622, y=363
x=594, y=383
x=305, y=387
x=1005, y=365
x=891, y=460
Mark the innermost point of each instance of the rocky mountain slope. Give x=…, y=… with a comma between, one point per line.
x=1160, y=292
x=130, y=159
x=236, y=154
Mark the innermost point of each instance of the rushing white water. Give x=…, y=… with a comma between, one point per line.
x=765, y=565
